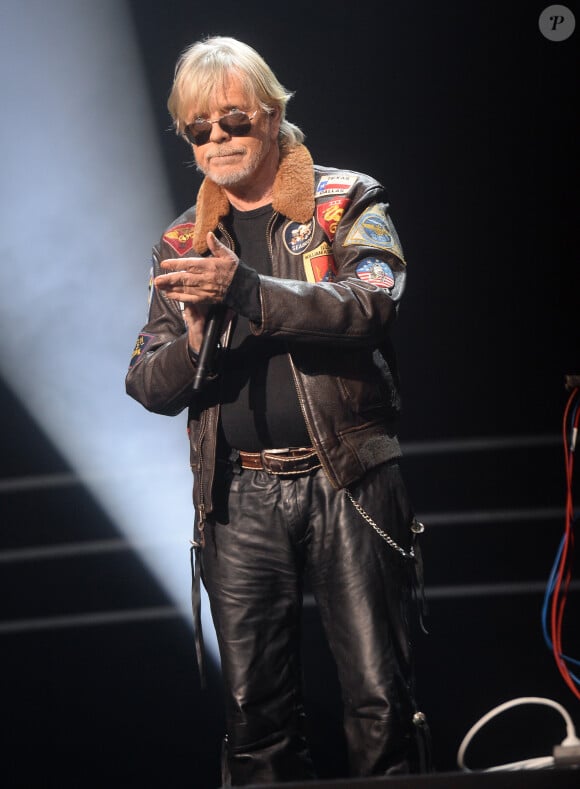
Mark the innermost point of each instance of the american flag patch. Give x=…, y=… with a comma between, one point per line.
x=376, y=272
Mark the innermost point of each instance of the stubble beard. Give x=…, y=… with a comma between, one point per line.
x=237, y=176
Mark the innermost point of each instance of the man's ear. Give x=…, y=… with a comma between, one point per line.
x=275, y=120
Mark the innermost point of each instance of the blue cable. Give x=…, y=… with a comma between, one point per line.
x=548, y=595
x=550, y=590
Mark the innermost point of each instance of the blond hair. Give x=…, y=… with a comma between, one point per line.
x=207, y=65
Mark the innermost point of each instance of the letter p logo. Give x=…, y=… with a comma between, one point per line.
x=556, y=23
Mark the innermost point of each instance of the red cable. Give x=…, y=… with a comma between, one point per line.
x=562, y=579
x=562, y=583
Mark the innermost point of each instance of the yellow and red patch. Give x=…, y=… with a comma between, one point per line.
x=329, y=215
x=319, y=264
x=180, y=238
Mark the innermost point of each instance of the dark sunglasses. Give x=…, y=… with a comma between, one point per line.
x=236, y=123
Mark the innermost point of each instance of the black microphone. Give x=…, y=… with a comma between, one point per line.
x=209, y=344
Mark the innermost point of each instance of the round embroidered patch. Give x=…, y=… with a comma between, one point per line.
x=376, y=272
x=297, y=237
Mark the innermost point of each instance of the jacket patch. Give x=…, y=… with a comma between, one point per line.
x=143, y=340
x=297, y=237
x=319, y=264
x=330, y=213
x=376, y=272
x=373, y=229
x=180, y=238
x=335, y=184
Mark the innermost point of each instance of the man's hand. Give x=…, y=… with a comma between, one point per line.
x=199, y=281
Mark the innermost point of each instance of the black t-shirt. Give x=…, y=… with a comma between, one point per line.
x=260, y=408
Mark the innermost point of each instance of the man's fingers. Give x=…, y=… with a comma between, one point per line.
x=199, y=279
x=171, y=280
x=181, y=264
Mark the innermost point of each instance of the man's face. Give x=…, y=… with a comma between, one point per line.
x=232, y=161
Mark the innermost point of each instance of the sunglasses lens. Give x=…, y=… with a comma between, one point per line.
x=198, y=132
x=237, y=124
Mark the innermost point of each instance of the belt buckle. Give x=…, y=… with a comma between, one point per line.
x=267, y=452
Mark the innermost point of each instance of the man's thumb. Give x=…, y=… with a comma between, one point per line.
x=215, y=246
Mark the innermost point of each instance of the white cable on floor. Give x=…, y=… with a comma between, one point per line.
x=537, y=763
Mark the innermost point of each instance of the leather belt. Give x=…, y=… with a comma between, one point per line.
x=297, y=460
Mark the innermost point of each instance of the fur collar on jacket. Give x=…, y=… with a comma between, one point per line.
x=292, y=195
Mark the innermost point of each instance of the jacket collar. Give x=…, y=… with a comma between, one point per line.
x=292, y=195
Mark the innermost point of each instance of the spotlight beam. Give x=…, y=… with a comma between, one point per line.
x=84, y=195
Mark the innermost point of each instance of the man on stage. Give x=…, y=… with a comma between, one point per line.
x=298, y=272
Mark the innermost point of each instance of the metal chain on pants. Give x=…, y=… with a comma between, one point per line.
x=415, y=527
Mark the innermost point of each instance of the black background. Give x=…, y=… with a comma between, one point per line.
x=468, y=115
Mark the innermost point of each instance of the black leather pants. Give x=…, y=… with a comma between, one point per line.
x=268, y=532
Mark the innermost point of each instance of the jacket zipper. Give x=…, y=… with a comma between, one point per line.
x=225, y=233
x=204, y=424
x=199, y=471
x=321, y=456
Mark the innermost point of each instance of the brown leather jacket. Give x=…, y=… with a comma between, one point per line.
x=338, y=275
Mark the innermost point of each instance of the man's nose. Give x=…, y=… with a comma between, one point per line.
x=217, y=134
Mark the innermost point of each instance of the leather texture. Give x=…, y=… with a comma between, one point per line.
x=270, y=532
x=337, y=331
x=281, y=461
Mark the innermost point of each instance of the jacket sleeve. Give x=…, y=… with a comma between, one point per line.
x=161, y=371
x=358, y=304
